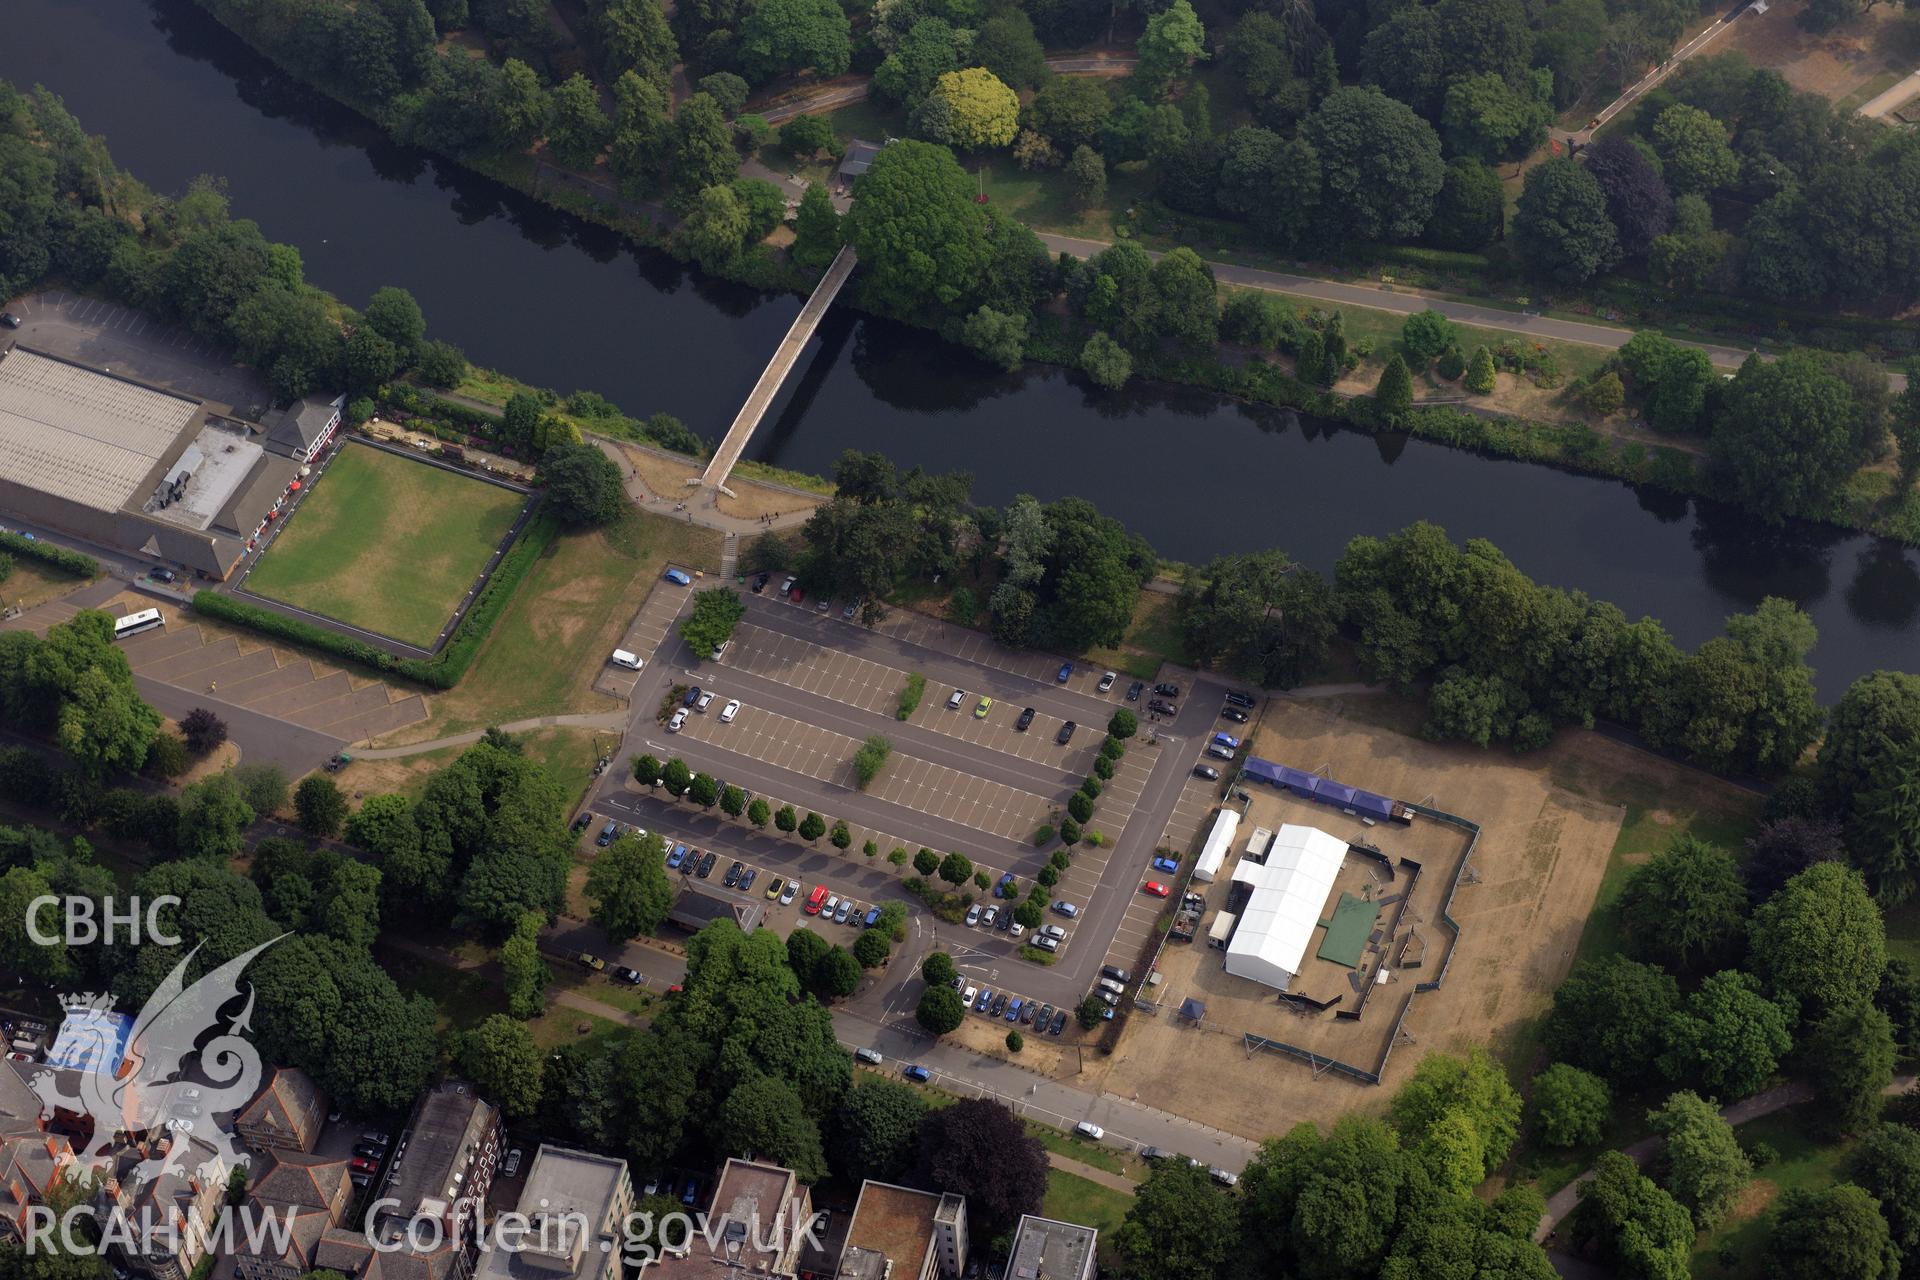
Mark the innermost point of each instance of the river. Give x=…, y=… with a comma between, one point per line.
x=565, y=304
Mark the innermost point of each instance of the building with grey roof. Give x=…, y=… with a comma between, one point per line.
x=1044, y=1249
x=695, y=909
x=576, y=1204
x=302, y=429
x=440, y=1171
x=115, y=462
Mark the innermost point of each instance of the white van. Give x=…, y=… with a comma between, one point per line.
x=631, y=661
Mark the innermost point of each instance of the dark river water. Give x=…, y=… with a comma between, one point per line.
x=567, y=305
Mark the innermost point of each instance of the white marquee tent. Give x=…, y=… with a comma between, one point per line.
x=1289, y=892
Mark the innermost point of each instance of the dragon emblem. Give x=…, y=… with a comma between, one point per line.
x=149, y=1092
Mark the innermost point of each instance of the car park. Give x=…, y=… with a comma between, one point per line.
x=973, y=915
x=980, y=710
x=760, y=581
x=774, y=887
x=1026, y=718
x=1234, y=714
x=1061, y=907
x=732, y=877
x=679, y=577
x=1135, y=689
x=869, y=1056
x=955, y=698
x=1013, y=1009
x=706, y=865
x=1206, y=771
x=916, y=1073
x=1066, y=733
x=788, y=894
x=746, y=879
x=1088, y=1129
x=1059, y=1022
x=607, y=833
x=678, y=721
x=1241, y=699
x=1155, y=888
x=1064, y=674
x=678, y=856
x=1115, y=972
x=1107, y=680
x=816, y=899
x=1167, y=690
x=632, y=977
x=728, y=712
x=986, y=998
x=1163, y=863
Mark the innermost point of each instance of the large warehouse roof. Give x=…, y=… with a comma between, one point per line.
x=87, y=437
x=1289, y=890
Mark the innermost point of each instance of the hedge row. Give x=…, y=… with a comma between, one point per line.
x=66, y=561
x=444, y=669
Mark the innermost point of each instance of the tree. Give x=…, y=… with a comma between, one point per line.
x=440, y=364
x=765, y=1115
x=1784, y=847
x=203, y=731
x=1610, y=1017
x=1089, y=1012
x=940, y=1010
x=703, y=154
x=980, y=110
x=1426, y=334
x=938, y=970
x=579, y=130
x=921, y=238
x=793, y=35
x=926, y=862
x=1186, y=300
x=263, y=786
x=1480, y=376
x=1850, y=1054
x=1458, y=1107
x=1070, y=111
x=1704, y=1167
x=1886, y=1164
x=503, y=1061
x=1470, y=210
x=930, y=49
x=1569, y=1107
x=1876, y=718
x=812, y=827
x=956, y=869
x=525, y=974
x=807, y=136
x=1638, y=203
x=816, y=228
x=1394, y=393
x=1730, y=1038
x=583, y=485
x=733, y=800
x=871, y=949
x=715, y=229
x=979, y=1149
x=716, y=611
x=635, y=39
x=1173, y=38
x=876, y=1130
x=1179, y=1226
x=995, y=337
x=841, y=836
x=319, y=805
x=837, y=975
x=1693, y=150
x=1087, y=178
x=1106, y=362
x=646, y=770
x=393, y=314
x=1788, y=435
x=628, y=887
x=1487, y=117
x=870, y=759
x=1560, y=224
x=1836, y=1233
x=1821, y=940
x=1627, y=1223
x=1380, y=166
x=1685, y=907
x=1883, y=832
x=676, y=777
x=1484, y=36
x=757, y=812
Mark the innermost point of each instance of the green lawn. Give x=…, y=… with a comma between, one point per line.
x=1903, y=931
x=1805, y=1161
x=1071, y=1198
x=387, y=543
x=1077, y=1148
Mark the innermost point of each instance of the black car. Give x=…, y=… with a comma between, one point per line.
x=164, y=575
x=746, y=879
x=367, y=1151
x=1240, y=699
x=1160, y=708
x=1167, y=690
x=1059, y=1022
x=733, y=874
x=629, y=976
x=760, y=581
x=999, y=1005
x=1134, y=690
x=1234, y=714
x=1005, y=921
x=706, y=865
x=9, y=319
x=1026, y=718
x=1066, y=732
x=1206, y=771
x=582, y=822
x=693, y=696
x=1115, y=972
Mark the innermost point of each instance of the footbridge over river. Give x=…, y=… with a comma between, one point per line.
x=775, y=374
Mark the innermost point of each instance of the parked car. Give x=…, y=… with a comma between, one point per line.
x=775, y=886
x=1166, y=689
x=706, y=700
x=512, y=1163
x=797, y=594
x=973, y=915
x=853, y=607
x=9, y=319
x=1240, y=699
x=822, y=605
x=760, y=581
x=918, y=1074
x=1226, y=739
x=1135, y=689
x=592, y=961
x=988, y=916
x=870, y=919
x=1013, y=1009
x=1115, y=972
x=998, y=1006
x=1153, y=1155
x=1155, y=888
x=691, y=1192
x=1163, y=863
x=788, y=894
x=986, y=998
x=845, y=910
x=693, y=696
x=678, y=856
x=746, y=879
x=378, y=1137
x=1104, y=996
x=955, y=698
x=816, y=899
x=728, y=712
x=367, y=1151
x=1061, y=907
x=1059, y=1022
x=363, y=1165
x=831, y=905
x=607, y=833
x=869, y=1056
x=582, y=822
x=980, y=711
x=679, y=577
x=732, y=877
x=1108, y=984
x=1002, y=888
x=1046, y=942
x=1064, y=674
x=165, y=575
x=1088, y=1129
x=1234, y=714
x=789, y=584
x=967, y=996
x=1206, y=771
x=1066, y=733
x=632, y=977
x=706, y=865
x=1042, y=1018
x=1004, y=921
x=1026, y=718
x=1219, y=752
x=1026, y=1014
x=1160, y=708
x=1222, y=1176
x=1107, y=679
x=720, y=650
x=1053, y=931
x=678, y=721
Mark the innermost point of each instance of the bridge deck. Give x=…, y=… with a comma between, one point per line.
x=784, y=358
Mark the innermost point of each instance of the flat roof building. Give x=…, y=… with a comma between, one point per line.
x=898, y=1233
x=575, y=1203
x=1044, y=1249
x=115, y=462
x=756, y=1227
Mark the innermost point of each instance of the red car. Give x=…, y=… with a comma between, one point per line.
x=797, y=594
x=815, y=899
x=1155, y=888
x=361, y=1164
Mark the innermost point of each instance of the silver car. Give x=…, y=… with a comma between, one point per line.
x=844, y=910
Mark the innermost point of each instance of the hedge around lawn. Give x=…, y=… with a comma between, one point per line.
x=444, y=669
x=80, y=566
